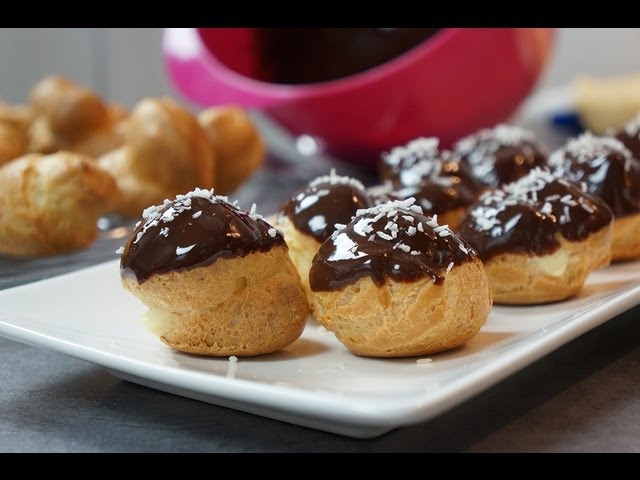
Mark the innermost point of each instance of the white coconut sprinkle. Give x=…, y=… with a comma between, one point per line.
x=317, y=223
x=420, y=148
x=449, y=267
x=334, y=179
x=233, y=366
x=526, y=192
x=480, y=148
x=120, y=251
x=588, y=148
x=197, y=214
x=184, y=250
x=272, y=232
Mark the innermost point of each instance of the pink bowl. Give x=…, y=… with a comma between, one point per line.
x=452, y=84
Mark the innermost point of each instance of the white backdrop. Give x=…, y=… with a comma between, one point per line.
x=125, y=65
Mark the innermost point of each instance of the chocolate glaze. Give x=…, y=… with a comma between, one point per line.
x=366, y=248
x=501, y=155
x=451, y=189
x=606, y=166
x=526, y=216
x=220, y=231
x=308, y=55
x=327, y=200
x=630, y=136
x=438, y=181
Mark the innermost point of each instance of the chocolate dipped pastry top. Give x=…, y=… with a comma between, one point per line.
x=606, y=166
x=527, y=215
x=327, y=200
x=391, y=241
x=194, y=230
x=501, y=155
x=435, y=178
x=630, y=136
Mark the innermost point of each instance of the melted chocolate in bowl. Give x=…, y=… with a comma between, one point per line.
x=526, y=216
x=327, y=200
x=192, y=231
x=310, y=55
x=391, y=241
x=606, y=166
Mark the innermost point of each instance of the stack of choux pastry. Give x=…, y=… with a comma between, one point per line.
x=154, y=152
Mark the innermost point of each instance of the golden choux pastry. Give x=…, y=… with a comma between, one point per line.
x=236, y=143
x=20, y=116
x=308, y=218
x=72, y=117
x=539, y=238
x=13, y=142
x=394, y=283
x=610, y=171
x=50, y=204
x=217, y=280
x=165, y=153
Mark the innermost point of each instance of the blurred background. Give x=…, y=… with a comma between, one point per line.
x=125, y=65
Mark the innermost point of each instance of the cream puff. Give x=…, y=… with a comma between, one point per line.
x=309, y=217
x=501, y=154
x=539, y=238
x=217, y=280
x=610, y=171
x=395, y=283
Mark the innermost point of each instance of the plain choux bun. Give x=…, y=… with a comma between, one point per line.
x=394, y=283
x=13, y=142
x=72, y=117
x=237, y=145
x=20, y=116
x=218, y=280
x=165, y=153
x=50, y=204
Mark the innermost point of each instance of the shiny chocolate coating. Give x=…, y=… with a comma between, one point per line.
x=192, y=231
x=435, y=178
x=393, y=241
x=448, y=188
x=403, y=158
x=606, y=166
x=525, y=217
x=630, y=136
x=501, y=155
x=327, y=200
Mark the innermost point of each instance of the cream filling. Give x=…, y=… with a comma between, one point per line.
x=157, y=320
x=554, y=265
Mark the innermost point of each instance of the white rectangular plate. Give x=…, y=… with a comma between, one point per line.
x=314, y=382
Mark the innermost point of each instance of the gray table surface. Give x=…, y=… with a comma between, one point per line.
x=584, y=397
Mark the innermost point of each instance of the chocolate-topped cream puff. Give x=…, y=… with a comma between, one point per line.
x=309, y=217
x=393, y=283
x=217, y=280
x=440, y=184
x=539, y=238
x=501, y=154
x=610, y=171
